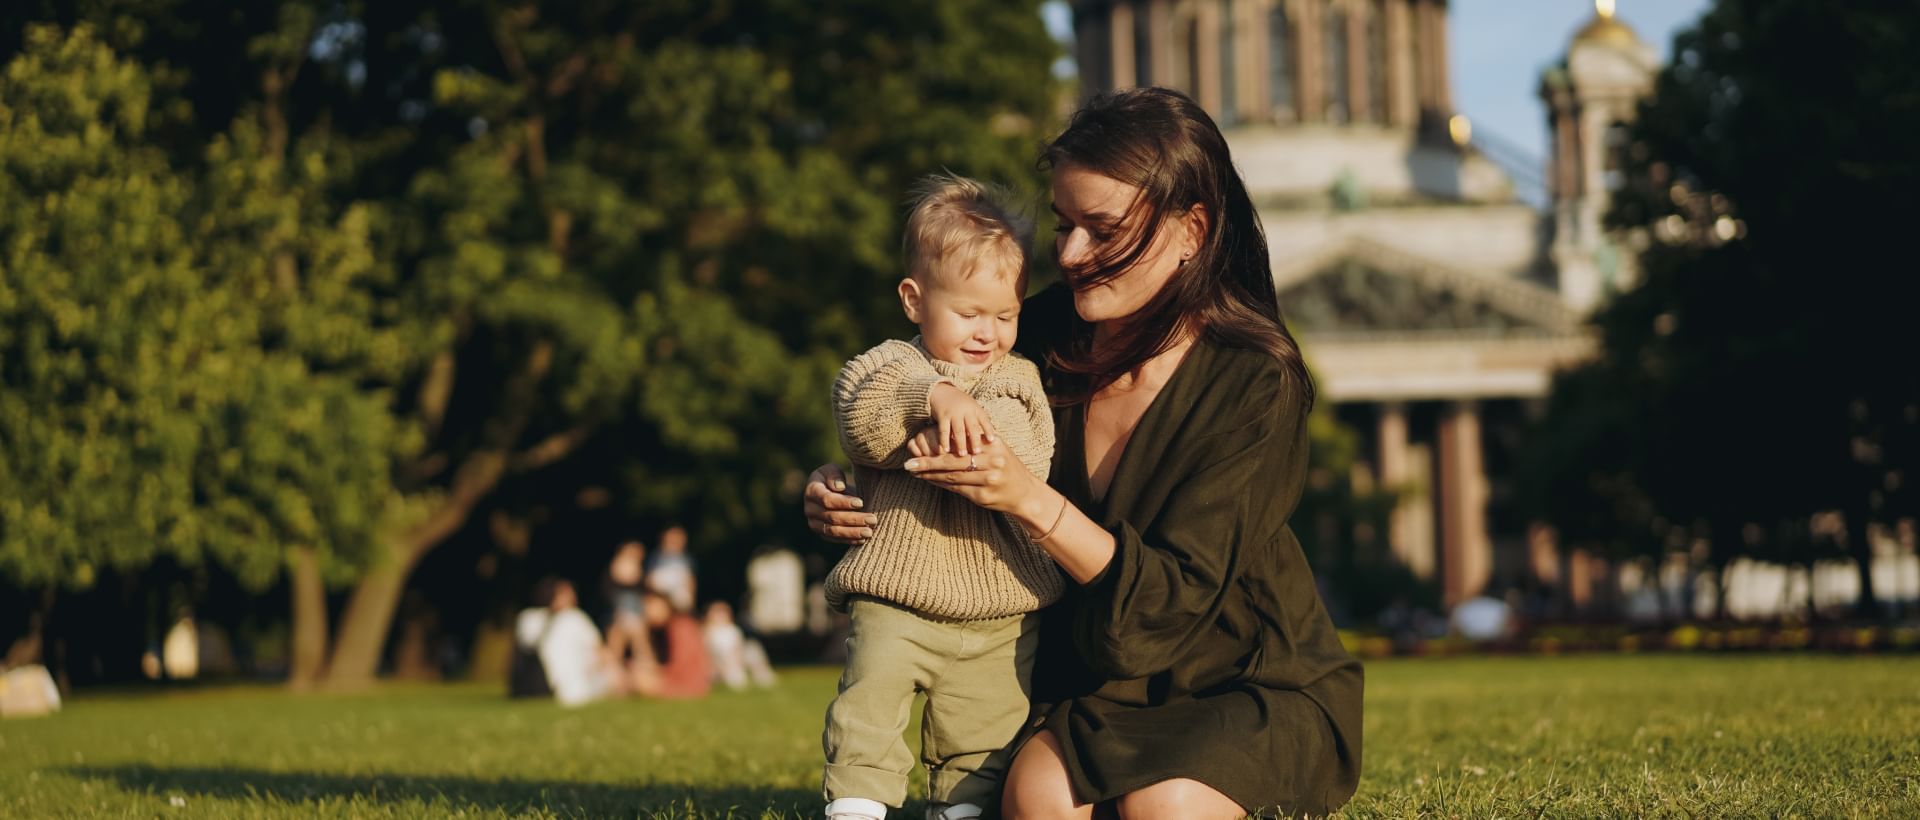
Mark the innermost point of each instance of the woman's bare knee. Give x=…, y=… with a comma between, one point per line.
x=1179, y=797
x=1037, y=787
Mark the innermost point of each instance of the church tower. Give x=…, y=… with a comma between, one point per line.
x=1591, y=100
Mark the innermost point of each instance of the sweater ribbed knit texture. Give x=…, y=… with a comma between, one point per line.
x=933, y=551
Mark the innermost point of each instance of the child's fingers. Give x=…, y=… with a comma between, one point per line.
x=946, y=430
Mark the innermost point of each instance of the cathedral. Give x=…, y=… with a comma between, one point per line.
x=1436, y=280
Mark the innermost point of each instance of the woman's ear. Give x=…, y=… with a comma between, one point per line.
x=1194, y=225
x=910, y=299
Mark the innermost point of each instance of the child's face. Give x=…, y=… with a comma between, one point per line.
x=968, y=320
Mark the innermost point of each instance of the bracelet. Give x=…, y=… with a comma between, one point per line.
x=1061, y=516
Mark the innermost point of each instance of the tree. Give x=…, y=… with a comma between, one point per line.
x=522, y=228
x=143, y=412
x=1751, y=372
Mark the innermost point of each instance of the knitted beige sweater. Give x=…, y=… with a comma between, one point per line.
x=933, y=551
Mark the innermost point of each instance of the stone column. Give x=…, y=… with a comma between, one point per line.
x=1410, y=544
x=1566, y=152
x=1207, y=23
x=1160, y=30
x=1310, y=83
x=1090, y=43
x=1250, y=59
x=1403, y=107
x=1359, y=66
x=1425, y=24
x=1467, y=554
x=1120, y=36
x=1442, y=86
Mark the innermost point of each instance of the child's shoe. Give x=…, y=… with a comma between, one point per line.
x=955, y=811
x=856, y=808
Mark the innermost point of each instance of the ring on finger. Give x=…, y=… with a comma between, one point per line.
x=971, y=465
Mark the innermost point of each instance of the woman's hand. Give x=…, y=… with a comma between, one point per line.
x=833, y=507
x=993, y=479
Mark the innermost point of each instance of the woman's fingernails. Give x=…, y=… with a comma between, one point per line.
x=873, y=520
x=857, y=503
x=913, y=464
x=839, y=486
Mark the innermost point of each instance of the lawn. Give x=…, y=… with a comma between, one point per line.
x=1717, y=736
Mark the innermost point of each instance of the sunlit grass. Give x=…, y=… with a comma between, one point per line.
x=1717, y=736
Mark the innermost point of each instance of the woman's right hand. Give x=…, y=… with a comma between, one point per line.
x=833, y=507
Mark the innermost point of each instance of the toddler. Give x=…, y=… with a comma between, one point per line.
x=942, y=596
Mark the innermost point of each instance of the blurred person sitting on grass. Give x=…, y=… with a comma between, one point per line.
x=942, y=596
x=738, y=658
x=685, y=671
x=578, y=667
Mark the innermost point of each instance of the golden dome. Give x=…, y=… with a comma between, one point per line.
x=1605, y=29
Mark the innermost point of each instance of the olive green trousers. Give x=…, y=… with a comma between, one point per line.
x=975, y=675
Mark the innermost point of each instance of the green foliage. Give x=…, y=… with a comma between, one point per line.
x=1344, y=526
x=142, y=414
x=338, y=275
x=1746, y=385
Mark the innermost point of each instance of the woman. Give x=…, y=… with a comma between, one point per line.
x=1193, y=672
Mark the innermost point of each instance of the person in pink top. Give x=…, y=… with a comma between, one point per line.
x=684, y=669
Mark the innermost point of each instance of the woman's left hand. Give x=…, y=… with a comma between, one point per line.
x=993, y=479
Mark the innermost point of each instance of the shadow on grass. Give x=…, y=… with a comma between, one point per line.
x=558, y=796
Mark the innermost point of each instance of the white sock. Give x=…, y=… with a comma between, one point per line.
x=849, y=808
x=956, y=811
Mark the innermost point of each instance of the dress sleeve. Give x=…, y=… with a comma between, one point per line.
x=1167, y=584
x=880, y=400
x=1018, y=408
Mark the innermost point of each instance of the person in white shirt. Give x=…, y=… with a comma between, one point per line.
x=570, y=647
x=738, y=658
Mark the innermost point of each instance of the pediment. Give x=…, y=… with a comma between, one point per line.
x=1362, y=287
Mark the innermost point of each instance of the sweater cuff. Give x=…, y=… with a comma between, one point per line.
x=915, y=393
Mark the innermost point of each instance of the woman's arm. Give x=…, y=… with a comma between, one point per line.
x=1000, y=482
x=1149, y=590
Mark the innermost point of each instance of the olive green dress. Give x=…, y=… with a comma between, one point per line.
x=1202, y=651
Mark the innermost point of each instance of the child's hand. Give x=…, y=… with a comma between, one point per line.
x=960, y=425
x=926, y=442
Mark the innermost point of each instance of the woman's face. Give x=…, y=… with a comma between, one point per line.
x=1092, y=221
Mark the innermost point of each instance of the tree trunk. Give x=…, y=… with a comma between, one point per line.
x=1860, y=546
x=413, y=650
x=29, y=647
x=363, y=626
x=492, y=651
x=309, y=620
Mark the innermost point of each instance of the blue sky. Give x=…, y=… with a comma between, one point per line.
x=1499, y=47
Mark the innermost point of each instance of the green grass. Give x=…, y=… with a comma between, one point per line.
x=1714, y=736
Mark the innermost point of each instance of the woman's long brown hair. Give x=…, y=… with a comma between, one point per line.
x=1163, y=143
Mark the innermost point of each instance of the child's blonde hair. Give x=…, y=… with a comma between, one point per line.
x=956, y=218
